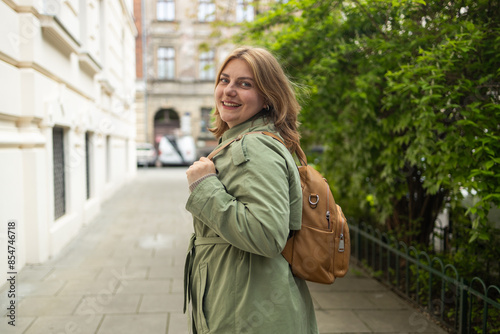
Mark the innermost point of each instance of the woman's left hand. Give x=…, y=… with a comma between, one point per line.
x=199, y=169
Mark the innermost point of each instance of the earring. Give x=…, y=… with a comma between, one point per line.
x=267, y=107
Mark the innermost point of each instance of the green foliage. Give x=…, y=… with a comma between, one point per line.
x=477, y=259
x=493, y=317
x=423, y=284
x=404, y=96
x=378, y=274
x=355, y=272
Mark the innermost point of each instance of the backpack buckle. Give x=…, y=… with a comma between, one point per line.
x=313, y=203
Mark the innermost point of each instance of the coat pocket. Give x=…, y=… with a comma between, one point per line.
x=202, y=321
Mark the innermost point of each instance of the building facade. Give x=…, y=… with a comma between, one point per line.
x=179, y=45
x=67, y=120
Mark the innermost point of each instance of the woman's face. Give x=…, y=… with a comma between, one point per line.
x=236, y=95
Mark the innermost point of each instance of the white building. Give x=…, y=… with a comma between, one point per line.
x=67, y=119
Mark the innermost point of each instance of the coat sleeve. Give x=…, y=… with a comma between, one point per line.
x=256, y=217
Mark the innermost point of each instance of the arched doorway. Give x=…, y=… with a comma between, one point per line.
x=166, y=122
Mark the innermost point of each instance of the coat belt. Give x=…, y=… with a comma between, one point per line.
x=188, y=266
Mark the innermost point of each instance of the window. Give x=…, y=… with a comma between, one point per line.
x=206, y=10
x=126, y=156
x=59, y=175
x=166, y=63
x=88, y=162
x=207, y=65
x=108, y=158
x=165, y=10
x=206, y=114
x=244, y=10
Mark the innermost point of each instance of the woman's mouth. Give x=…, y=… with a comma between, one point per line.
x=230, y=104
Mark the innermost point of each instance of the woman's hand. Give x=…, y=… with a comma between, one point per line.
x=199, y=169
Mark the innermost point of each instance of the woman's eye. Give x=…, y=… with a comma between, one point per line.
x=223, y=80
x=245, y=84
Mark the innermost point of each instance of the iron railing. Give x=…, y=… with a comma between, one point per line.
x=438, y=288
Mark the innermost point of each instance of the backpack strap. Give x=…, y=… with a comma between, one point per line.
x=216, y=151
x=299, y=153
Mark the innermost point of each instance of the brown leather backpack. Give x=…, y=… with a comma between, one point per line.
x=320, y=251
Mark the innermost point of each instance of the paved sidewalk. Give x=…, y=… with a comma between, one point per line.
x=123, y=274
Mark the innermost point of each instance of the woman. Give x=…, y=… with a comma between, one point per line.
x=244, y=205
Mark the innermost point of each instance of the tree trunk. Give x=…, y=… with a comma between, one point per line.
x=415, y=214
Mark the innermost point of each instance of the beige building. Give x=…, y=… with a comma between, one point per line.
x=67, y=122
x=181, y=43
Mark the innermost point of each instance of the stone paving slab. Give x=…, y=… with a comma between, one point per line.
x=354, y=281
x=130, y=272
x=34, y=273
x=397, y=321
x=64, y=324
x=38, y=288
x=45, y=306
x=171, y=302
x=108, y=304
x=134, y=324
x=178, y=323
x=340, y=321
x=124, y=274
x=22, y=323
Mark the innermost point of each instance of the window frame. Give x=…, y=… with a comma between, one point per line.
x=165, y=65
x=206, y=58
x=206, y=11
x=243, y=9
x=166, y=14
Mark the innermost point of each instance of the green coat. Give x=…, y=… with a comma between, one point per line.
x=236, y=276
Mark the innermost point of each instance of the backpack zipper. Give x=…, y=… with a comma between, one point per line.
x=341, y=242
x=327, y=202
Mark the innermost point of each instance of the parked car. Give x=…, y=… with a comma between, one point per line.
x=173, y=150
x=146, y=154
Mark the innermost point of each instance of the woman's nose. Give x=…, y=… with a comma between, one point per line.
x=230, y=89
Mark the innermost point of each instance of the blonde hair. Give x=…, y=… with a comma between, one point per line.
x=277, y=90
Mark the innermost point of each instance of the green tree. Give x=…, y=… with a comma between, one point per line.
x=404, y=95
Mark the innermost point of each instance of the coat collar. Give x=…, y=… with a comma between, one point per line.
x=257, y=121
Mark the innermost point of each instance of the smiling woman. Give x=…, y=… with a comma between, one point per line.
x=244, y=204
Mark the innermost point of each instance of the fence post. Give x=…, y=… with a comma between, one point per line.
x=464, y=312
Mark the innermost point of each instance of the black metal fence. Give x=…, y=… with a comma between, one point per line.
x=461, y=306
